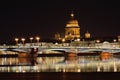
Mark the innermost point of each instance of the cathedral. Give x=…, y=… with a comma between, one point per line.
x=72, y=29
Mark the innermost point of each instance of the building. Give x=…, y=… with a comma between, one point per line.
x=72, y=29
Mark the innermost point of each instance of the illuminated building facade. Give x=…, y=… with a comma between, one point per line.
x=72, y=29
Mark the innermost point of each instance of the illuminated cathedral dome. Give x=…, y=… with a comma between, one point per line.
x=72, y=29
x=73, y=22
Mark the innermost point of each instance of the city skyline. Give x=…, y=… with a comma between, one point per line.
x=44, y=19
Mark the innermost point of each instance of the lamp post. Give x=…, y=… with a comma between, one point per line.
x=63, y=40
x=16, y=40
x=114, y=40
x=23, y=40
x=98, y=41
x=31, y=39
x=38, y=39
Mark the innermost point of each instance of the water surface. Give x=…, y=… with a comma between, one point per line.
x=60, y=64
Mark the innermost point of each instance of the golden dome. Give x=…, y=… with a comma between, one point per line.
x=73, y=22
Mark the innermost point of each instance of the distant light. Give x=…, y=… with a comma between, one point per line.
x=78, y=39
x=63, y=40
x=114, y=40
x=37, y=38
x=16, y=39
x=97, y=41
x=31, y=38
x=23, y=39
x=72, y=15
x=56, y=43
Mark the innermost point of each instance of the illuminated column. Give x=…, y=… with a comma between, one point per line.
x=16, y=40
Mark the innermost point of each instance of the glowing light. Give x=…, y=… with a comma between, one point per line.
x=114, y=40
x=23, y=40
x=78, y=39
x=37, y=38
x=16, y=39
x=31, y=38
x=98, y=41
x=63, y=40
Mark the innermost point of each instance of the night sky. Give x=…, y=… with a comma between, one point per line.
x=26, y=18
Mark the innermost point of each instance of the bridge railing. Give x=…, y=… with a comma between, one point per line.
x=58, y=46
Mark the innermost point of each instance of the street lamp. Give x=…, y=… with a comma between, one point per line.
x=63, y=40
x=38, y=39
x=98, y=41
x=16, y=40
x=23, y=40
x=114, y=40
x=31, y=39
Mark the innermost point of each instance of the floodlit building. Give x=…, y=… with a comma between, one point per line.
x=72, y=29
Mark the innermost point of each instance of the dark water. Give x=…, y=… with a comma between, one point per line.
x=60, y=76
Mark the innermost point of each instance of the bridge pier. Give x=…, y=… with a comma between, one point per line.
x=33, y=52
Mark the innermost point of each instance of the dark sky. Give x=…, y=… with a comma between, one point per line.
x=26, y=18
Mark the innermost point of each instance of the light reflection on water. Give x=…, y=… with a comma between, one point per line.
x=60, y=64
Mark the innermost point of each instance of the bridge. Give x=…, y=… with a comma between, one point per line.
x=60, y=49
